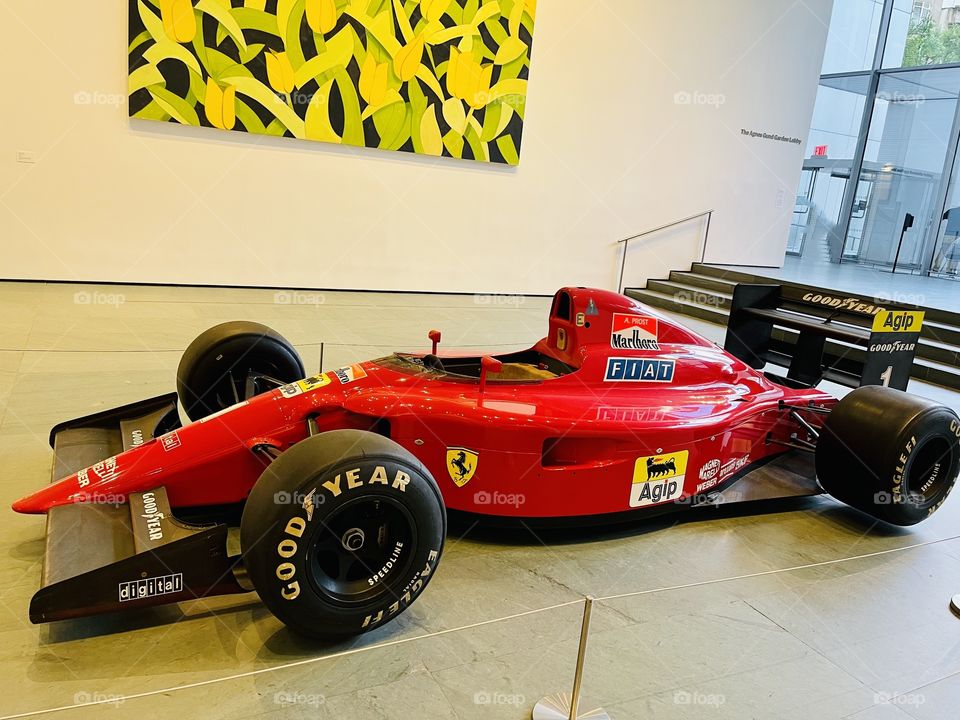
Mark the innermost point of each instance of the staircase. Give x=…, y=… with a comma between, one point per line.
x=704, y=292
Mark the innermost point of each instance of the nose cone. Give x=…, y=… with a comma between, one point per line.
x=42, y=500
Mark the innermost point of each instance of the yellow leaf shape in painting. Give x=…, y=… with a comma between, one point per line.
x=431, y=142
x=178, y=21
x=433, y=10
x=468, y=80
x=255, y=4
x=531, y=6
x=317, y=122
x=407, y=60
x=279, y=72
x=453, y=70
x=219, y=105
x=516, y=15
x=321, y=15
x=374, y=79
x=510, y=49
x=454, y=115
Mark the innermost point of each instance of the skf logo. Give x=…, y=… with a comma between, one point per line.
x=894, y=321
x=634, y=332
x=461, y=465
x=638, y=370
x=658, y=479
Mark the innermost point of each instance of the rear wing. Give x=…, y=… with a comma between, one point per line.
x=847, y=340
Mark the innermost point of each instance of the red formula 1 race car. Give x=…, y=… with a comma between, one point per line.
x=340, y=482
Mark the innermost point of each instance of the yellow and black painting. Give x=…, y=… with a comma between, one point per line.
x=438, y=77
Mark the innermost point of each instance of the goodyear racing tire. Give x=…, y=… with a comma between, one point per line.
x=213, y=371
x=341, y=533
x=892, y=455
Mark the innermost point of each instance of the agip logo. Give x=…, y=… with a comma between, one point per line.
x=896, y=321
x=658, y=479
x=634, y=332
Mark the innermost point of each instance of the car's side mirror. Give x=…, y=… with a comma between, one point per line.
x=434, y=336
x=488, y=365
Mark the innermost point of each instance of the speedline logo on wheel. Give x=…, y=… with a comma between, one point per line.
x=658, y=478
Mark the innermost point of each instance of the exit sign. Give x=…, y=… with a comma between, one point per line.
x=820, y=151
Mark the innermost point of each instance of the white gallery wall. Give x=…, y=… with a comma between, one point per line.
x=635, y=117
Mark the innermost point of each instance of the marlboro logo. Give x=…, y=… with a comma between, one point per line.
x=634, y=332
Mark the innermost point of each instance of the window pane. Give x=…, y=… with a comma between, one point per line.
x=837, y=116
x=902, y=169
x=923, y=32
x=852, y=39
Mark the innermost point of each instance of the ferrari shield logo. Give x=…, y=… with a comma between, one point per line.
x=461, y=465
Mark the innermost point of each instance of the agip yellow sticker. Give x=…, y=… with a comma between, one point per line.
x=658, y=478
x=305, y=385
x=897, y=321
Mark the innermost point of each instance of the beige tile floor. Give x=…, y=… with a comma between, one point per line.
x=726, y=627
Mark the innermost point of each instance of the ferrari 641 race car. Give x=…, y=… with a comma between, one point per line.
x=340, y=482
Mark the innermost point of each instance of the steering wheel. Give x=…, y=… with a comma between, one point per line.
x=433, y=362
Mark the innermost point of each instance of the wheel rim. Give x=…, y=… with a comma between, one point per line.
x=361, y=549
x=930, y=473
x=230, y=387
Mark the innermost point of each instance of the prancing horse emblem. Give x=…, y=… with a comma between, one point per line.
x=461, y=464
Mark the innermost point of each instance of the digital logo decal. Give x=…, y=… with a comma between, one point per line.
x=638, y=370
x=658, y=479
x=634, y=332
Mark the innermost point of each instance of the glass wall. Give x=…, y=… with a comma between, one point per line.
x=884, y=190
x=852, y=37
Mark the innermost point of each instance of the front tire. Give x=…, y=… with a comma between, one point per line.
x=341, y=533
x=893, y=455
x=215, y=367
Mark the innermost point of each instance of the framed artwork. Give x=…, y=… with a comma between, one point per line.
x=436, y=77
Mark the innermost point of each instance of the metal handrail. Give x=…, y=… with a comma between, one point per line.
x=625, y=241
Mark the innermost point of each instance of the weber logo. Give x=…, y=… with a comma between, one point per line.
x=151, y=587
x=634, y=332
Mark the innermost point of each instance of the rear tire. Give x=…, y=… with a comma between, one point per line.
x=213, y=371
x=341, y=533
x=890, y=454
